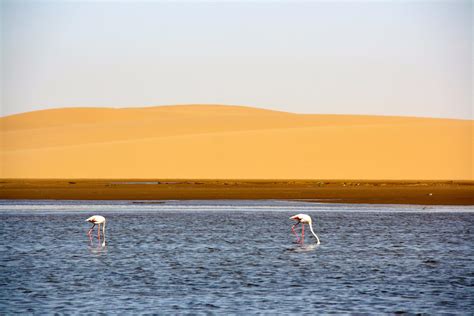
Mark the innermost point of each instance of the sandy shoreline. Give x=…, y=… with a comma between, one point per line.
x=330, y=191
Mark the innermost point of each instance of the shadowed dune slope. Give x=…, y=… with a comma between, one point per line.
x=217, y=142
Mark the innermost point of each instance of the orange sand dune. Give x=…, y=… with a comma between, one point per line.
x=232, y=142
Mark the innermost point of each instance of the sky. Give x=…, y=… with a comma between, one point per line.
x=407, y=58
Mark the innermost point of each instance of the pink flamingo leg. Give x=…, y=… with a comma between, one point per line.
x=302, y=234
x=296, y=235
x=89, y=233
x=90, y=230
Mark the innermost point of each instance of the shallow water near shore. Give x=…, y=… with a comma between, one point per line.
x=235, y=257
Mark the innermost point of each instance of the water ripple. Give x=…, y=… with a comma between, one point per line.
x=212, y=257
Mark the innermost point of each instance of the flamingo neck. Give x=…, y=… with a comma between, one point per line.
x=103, y=232
x=312, y=231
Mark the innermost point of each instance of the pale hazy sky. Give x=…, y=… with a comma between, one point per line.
x=409, y=58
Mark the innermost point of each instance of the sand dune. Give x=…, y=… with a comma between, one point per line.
x=212, y=142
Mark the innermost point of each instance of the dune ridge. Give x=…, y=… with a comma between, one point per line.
x=231, y=142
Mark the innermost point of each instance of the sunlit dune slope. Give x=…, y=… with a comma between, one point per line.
x=209, y=141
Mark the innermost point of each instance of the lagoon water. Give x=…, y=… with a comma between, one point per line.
x=235, y=257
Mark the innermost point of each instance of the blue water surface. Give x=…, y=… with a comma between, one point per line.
x=235, y=257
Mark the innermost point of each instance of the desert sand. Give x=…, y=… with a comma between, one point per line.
x=231, y=142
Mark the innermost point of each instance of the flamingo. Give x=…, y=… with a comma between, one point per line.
x=303, y=219
x=97, y=220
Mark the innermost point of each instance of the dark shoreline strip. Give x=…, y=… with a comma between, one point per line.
x=327, y=191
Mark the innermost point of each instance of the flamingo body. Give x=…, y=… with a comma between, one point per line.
x=96, y=219
x=304, y=219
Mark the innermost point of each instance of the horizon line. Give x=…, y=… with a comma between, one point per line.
x=226, y=105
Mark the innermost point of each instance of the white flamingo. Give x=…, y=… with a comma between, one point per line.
x=303, y=219
x=97, y=220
